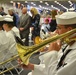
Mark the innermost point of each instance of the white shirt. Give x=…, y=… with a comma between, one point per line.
x=42, y=68
x=4, y=44
x=70, y=60
x=12, y=44
x=69, y=68
x=44, y=28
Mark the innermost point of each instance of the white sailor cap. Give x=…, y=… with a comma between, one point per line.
x=71, y=9
x=66, y=18
x=8, y=18
x=1, y=18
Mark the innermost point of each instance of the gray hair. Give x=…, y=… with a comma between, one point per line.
x=11, y=9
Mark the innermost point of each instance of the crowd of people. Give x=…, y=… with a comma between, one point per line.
x=60, y=58
x=36, y=23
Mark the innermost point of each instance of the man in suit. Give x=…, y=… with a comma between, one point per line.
x=24, y=24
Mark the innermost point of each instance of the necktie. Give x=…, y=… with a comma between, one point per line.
x=63, y=49
x=62, y=58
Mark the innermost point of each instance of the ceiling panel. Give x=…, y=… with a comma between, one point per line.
x=50, y=2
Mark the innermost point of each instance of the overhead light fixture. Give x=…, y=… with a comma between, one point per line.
x=22, y=4
x=70, y=3
x=64, y=7
x=26, y=2
x=47, y=3
x=18, y=2
x=41, y=1
x=51, y=5
x=11, y=1
x=61, y=5
x=46, y=8
x=49, y=9
x=57, y=2
x=55, y=7
x=32, y=3
x=40, y=6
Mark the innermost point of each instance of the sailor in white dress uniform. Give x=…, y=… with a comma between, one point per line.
x=66, y=22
